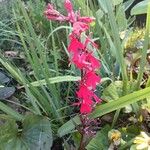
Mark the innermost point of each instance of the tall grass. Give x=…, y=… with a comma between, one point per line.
x=43, y=87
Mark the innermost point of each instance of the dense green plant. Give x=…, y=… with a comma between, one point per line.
x=41, y=82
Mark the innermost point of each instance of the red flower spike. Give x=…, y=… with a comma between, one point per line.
x=81, y=55
x=86, y=97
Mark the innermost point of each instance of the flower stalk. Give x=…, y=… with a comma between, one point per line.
x=81, y=54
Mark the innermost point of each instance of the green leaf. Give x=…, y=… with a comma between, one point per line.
x=100, y=142
x=8, y=129
x=8, y=110
x=3, y=78
x=57, y=79
x=120, y=102
x=6, y=92
x=104, y=7
x=69, y=126
x=15, y=144
x=9, y=139
x=117, y=2
x=140, y=8
x=36, y=134
x=121, y=18
x=113, y=91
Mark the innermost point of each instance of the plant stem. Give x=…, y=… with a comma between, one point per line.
x=82, y=143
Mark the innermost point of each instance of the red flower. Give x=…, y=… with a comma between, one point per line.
x=79, y=27
x=91, y=79
x=68, y=6
x=86, y=19
x=85, y=109
x=52, y=14
x=86, y=97
x=93, y=62
x=79, y=59
x=72, y=17
x=75, y=45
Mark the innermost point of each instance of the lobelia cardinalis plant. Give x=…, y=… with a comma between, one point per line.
x=82, y=56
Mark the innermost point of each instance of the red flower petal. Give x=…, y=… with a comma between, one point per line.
x=94, y=62
x=79, y=27
x=75, y=45
x=52, y=14
x=68, y=5
x=85, y=109
x=86, y=19
x=91, y=79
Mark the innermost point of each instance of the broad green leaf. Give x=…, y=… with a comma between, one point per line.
x=15, y=144
x=3, y=78
x=6, y=92
x=36, y=134
x=120, y=102
x=56, y=80
x=100, y=142
x=9, y=137
x=140, y=8
x=113, y=91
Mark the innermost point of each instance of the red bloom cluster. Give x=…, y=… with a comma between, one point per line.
x=81, y=55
